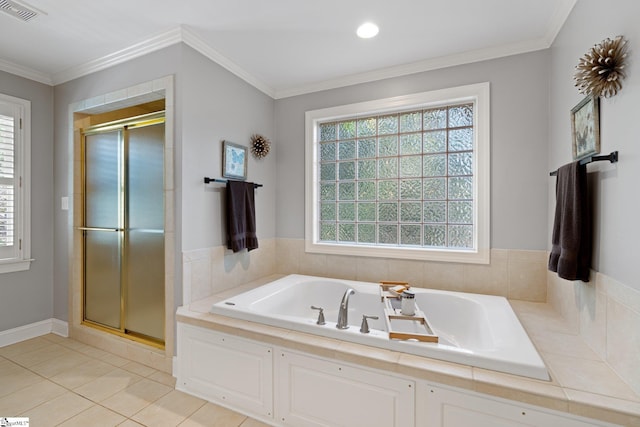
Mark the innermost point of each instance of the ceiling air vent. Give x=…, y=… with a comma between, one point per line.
x=18, y=10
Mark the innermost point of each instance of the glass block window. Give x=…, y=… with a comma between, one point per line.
x=402, y=179
x=407, y=181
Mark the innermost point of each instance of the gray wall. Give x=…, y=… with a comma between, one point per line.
x=614, y=187
x=26, y=296
x=519, y=102
x=211, y=104
x=531, y=96
x=219, y=106
x=149, y=67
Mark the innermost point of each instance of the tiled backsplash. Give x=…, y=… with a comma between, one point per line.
x=606, y=313
x=512, y=273
x=211, y=270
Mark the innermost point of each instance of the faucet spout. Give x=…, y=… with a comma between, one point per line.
x=343, y=312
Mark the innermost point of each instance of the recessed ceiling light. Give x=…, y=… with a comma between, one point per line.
x=367, y=30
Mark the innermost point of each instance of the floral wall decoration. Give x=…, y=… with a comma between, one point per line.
x=260, y=146
x=601, y=70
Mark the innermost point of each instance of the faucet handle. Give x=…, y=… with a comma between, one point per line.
x=364, y=328
x=320, y=320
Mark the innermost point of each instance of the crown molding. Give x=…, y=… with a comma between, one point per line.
x=184, y=35
x=181, y=34
x=25, y=72
x=168, y=38
x=418, y=67
x=556, y=23
x=176, y=35
x=558, y=19
x=192, y=40
x=134, y=51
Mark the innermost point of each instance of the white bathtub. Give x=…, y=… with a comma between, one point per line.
x=475, y=330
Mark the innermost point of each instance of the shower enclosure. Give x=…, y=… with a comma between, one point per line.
x=123, y=227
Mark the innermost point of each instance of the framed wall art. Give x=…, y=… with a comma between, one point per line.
x=585, y=128
x=234, y=161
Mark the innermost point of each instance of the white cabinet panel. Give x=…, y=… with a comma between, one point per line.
x=315, y=392
x=310, y=391
x=220, y=367
x=449, y=408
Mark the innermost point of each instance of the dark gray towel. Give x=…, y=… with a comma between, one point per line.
x=571, y=239
x=241, y=216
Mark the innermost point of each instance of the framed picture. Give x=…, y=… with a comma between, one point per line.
x=585, y=127
x=234, y=160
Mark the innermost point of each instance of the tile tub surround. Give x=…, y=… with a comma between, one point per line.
x=515, y=274
x=606, y=314
x=582, y=383
x=496, y=341
x=211, y=270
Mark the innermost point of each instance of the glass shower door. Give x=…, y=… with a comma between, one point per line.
x=103, y=229
x=123, y=230
x=144, y=235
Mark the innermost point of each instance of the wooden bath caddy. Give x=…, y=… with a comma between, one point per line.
x=400, y=326
x=385, y=291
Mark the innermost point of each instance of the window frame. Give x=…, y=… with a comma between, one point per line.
x=479, y=95
x=19, y=258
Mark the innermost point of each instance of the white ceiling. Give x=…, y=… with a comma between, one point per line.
x=283, y=47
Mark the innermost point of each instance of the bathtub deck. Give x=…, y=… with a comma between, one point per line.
x=582, y=384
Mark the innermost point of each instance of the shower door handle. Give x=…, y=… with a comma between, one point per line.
x=99, y=229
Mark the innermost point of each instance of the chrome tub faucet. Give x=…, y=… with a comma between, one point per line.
x=343, y=312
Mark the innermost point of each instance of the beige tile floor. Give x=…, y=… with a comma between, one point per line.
x=57, y=381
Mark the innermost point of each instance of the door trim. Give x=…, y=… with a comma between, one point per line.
x=122, y=127
x=127, y=347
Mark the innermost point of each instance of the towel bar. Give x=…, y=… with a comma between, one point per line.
x=612, y=157
x=208, y=180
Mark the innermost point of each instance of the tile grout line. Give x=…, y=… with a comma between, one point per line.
x=93, y=403
x=75, y=349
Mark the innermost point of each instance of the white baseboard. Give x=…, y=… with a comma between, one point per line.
x=174, y=367
x=23, y=333
x=60, y=327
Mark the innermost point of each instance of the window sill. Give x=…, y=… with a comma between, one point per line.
x=14, y=265
x=480, y=256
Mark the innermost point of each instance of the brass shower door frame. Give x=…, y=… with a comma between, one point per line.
x=122, y=126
